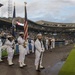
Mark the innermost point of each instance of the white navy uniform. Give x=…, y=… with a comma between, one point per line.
x=32, y=43
x=10, y=51
x=39, y=48
x=52, y=43
x=27, y=47
x=0, y=50
x=47, y=44
x=22, y=51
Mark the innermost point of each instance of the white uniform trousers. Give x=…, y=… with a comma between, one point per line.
x=22, y=53
x=10, y=52
x=37, y=58
x=0, y=53
x=27, y=48
x=53, y=44
x=32, y=48
x=46, y=46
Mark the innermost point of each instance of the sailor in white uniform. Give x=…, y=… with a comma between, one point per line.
x=10, y=49
x=22, y=50
x=32, y=44
x=39, y=52
x=0, y=50
x=47, y=43
x=52, y=43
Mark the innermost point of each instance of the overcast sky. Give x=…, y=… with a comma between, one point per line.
x=49, y=10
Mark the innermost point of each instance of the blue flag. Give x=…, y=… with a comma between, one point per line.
x=13, y=25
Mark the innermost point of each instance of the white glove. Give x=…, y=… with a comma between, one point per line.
x=42, y=50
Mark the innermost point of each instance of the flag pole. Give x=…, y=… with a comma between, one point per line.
x=25, y=3
x=25, y=9
x=14, y=3
x=25, y=43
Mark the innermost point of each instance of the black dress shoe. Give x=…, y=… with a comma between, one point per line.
x=21, y=67
x=38, y=70
x=50, y=51
x=24, y=65
x=11, y=64
x=1, y=60
x=42, y=68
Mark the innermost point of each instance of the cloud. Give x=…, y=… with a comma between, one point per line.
x=50, y=10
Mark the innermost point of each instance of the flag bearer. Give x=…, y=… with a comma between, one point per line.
x=22, y=50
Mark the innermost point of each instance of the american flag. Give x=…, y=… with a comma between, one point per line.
x=25, y=24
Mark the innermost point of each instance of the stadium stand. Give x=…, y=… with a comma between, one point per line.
x=49, y=29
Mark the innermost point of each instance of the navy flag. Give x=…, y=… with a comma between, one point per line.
x=13, y=23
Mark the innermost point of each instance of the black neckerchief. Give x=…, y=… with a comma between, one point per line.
x=40, y=42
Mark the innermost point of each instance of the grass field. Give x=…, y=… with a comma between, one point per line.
x=69, y=66
x=4, y=53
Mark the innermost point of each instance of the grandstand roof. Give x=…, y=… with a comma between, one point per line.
x=16, y=19
x=55, y=24
x=42, y=21
x=38, y=27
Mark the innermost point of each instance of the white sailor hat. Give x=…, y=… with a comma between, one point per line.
x=39, y=34
x=9, y=36
x=21, y=33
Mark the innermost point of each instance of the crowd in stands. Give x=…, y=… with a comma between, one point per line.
x=32, y=36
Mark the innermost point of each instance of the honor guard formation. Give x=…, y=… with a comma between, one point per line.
x=38, y=46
